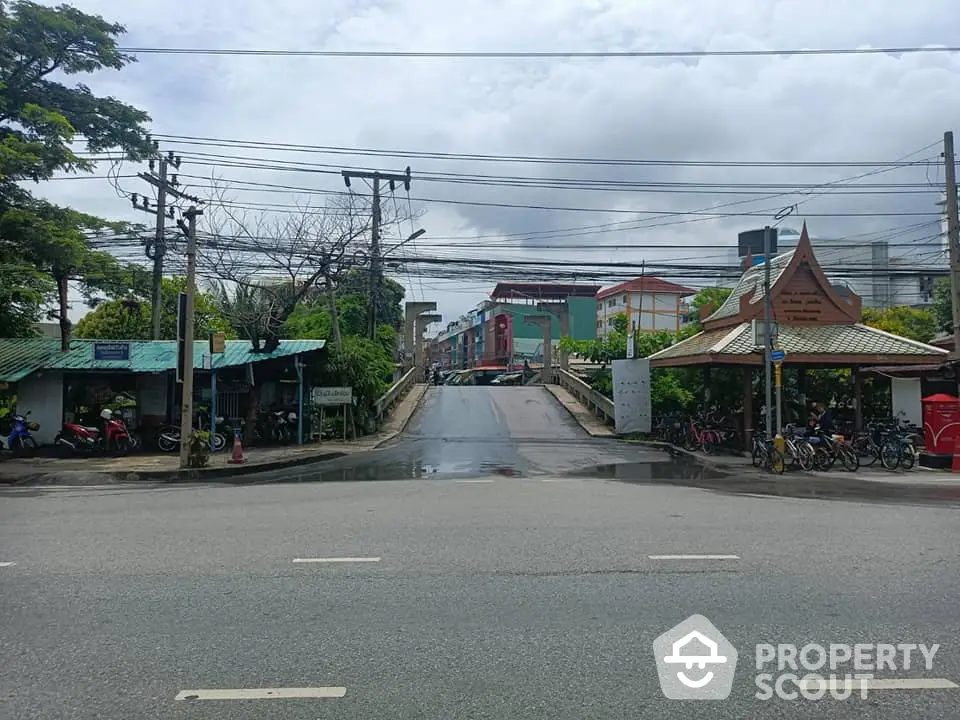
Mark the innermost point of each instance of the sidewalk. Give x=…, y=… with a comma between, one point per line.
x=917, y=483
x=164, y=467
x=586, y=419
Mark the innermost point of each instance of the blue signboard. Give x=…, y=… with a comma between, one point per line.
x=112, y=351
x=777, y=356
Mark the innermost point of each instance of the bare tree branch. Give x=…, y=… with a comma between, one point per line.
x=262, y=264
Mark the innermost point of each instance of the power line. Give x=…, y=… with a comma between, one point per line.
x=540, y=159
x=568, y=54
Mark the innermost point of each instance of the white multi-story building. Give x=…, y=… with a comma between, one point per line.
x=650, y=304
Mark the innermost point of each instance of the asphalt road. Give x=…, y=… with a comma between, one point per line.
x=470, y=594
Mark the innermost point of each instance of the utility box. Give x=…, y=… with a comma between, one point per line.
x=941, y=428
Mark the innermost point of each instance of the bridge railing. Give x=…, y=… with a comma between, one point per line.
x=597, y=402
x=390, y=397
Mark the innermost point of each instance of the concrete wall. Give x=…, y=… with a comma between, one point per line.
x=906, y=398
x=42, y=394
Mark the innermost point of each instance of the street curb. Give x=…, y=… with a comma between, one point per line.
x=609, y=436
x=183, y=476
x=403, y=428
x=843, y=485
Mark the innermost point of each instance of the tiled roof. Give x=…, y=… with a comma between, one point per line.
x=751, y=284
x=816, y=340
x=647, y=284
x=19, y=357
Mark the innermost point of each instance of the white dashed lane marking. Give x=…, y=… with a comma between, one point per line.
x=337, y=560
x=694, y=557
x=7, y=564
x=262, y=693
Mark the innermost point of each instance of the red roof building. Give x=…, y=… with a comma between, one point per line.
x=650, y=303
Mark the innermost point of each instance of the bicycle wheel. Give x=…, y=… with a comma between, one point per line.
x=908, y=456
x=758, y=456
x=775, y=462
x=168, y=442
x=849, y=458
x=822, y=459
x=890, y=454
x=806, y=457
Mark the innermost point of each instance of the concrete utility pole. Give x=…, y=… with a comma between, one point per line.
x=767, y=334
x=157, y=249
x=421, y=322
x=953, y=235
x=375, y=259
x=186, y=405
x=545, y=323
x=412, y=311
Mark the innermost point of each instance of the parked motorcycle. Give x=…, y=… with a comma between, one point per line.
x=169, y=438
x=20, y=439
x=85, y=439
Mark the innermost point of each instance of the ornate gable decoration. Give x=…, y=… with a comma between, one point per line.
x=801, y=294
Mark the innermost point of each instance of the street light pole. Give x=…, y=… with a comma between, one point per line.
x=767, y=334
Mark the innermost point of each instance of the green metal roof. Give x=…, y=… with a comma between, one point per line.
x=21, y=357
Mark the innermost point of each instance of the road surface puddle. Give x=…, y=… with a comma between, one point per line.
x=687, y=472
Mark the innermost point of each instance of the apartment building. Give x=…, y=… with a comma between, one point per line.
x=650, y=304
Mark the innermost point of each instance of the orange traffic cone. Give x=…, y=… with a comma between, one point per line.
x=237, y=457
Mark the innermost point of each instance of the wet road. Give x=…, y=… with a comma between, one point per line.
x=470, y=432
x=510, y=567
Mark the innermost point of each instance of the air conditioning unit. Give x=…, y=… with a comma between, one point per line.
x=759, y=333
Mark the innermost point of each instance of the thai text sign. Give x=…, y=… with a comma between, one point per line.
x=332, y=396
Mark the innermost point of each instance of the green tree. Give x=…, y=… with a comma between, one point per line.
x=943, y=304
x=40, y=120
x=129, y=319
x=908, y=322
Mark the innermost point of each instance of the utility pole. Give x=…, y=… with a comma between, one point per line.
x=953, y=234
x=375, y=258
x=186, y=404
x=767, y=334
x=157, y=249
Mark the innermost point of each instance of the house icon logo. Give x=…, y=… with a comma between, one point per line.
x=695, y=661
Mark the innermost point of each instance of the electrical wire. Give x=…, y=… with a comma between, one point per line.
x=529, y=55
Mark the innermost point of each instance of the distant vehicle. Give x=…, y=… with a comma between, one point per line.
x=512, y=378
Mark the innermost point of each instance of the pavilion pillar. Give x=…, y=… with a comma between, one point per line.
x=748, y=407
x=857, y=399
x=802, y=396
x=705, y=371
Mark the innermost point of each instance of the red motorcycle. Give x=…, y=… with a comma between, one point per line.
x=86, y=439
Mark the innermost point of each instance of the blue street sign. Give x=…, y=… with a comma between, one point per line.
x=777, y=356
x=111, y=351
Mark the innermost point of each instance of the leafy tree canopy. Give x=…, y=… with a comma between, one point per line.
x=908, y=322
x=129, y=319
x=42, y=246
x=943, y=305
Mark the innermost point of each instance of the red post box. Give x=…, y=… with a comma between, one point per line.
x=941, y=423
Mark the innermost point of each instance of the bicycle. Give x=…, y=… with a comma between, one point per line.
x=700, y=438
x=766, y=455
x=796, y=447
x=829, y=448
x=898, y=449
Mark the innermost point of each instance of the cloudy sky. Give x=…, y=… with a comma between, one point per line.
x=772, y=109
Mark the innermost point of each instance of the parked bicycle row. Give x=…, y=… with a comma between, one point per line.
x=891, y=441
